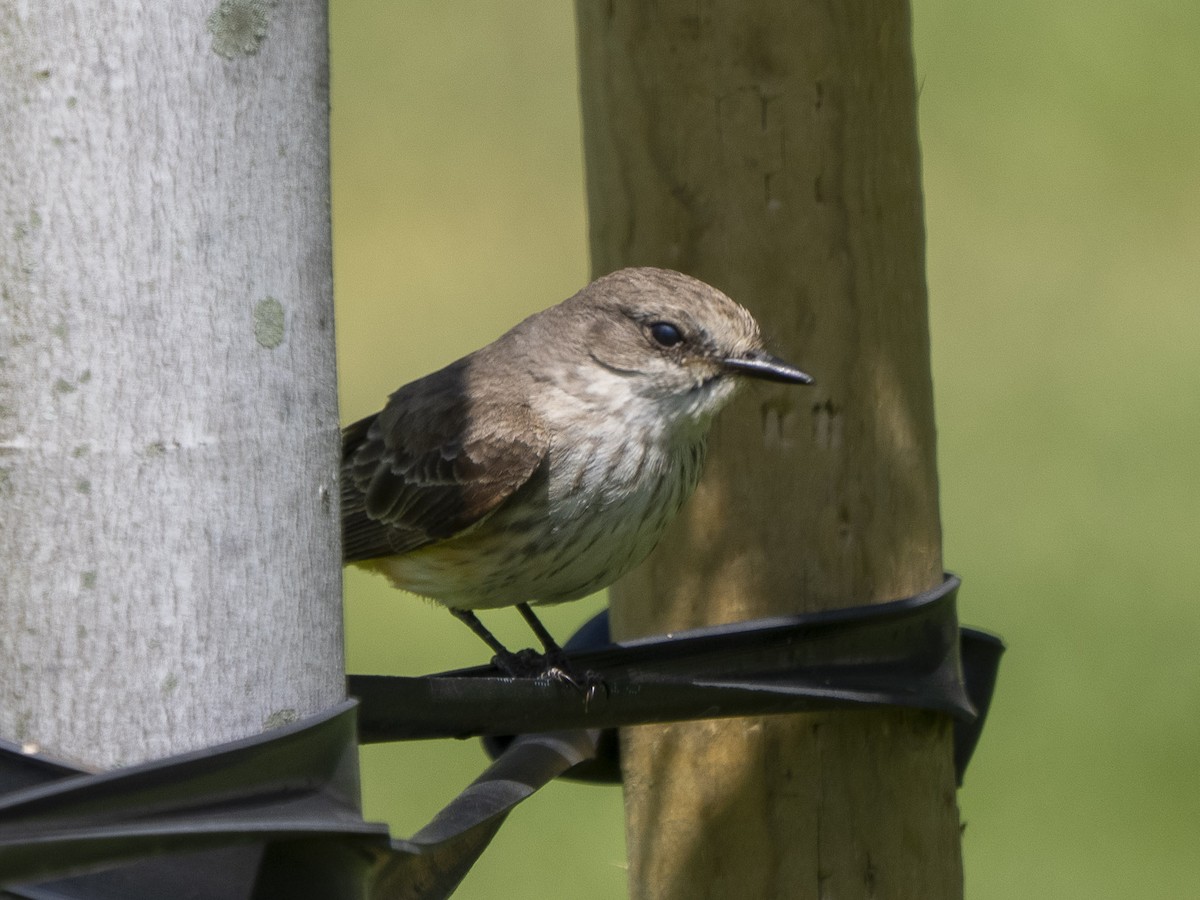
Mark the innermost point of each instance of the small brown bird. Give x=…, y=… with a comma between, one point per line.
x=544, y=466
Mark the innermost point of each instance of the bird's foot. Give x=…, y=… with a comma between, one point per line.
x=526, y=663
x=554, y=666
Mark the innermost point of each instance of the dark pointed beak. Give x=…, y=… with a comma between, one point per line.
x=762, y=365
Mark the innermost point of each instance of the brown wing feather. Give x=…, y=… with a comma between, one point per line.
x=432, y=464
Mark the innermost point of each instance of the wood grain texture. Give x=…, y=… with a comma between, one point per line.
x=168, y=420
x=771, y=149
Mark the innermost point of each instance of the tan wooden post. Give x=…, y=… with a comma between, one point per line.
x=770, y=148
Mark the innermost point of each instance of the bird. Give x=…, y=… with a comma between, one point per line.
x=547, y=464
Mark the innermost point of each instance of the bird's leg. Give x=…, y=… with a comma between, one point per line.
x=555, y=662
x=525, y=664
x=530, y=664
x=548, y=643
x=472, y=621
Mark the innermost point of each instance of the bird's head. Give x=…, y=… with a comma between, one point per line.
x=674, y=340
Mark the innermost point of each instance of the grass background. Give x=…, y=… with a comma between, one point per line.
x=1062, y=173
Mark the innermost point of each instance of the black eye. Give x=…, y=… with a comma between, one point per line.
x=665, y=334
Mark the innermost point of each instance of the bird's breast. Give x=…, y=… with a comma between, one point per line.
x=594, y=512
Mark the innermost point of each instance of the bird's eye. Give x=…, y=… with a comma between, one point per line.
x=665, y=334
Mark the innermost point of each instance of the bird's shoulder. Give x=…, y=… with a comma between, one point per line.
x=440, y=457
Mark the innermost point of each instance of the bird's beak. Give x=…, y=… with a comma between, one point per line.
x=758, y=364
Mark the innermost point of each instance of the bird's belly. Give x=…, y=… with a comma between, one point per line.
x=531, y=553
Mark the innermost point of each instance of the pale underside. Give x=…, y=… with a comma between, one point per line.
x=595, y=509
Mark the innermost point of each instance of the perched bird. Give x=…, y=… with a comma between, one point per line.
x=544, y=466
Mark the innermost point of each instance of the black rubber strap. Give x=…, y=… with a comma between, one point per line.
x=901, y=653
x=278, y=814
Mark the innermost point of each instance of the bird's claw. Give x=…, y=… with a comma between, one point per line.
x=552, y=666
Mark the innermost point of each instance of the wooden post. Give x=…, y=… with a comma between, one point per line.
x=770, y=148
x=168, y=419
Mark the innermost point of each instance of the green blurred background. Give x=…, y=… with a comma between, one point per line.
x=1062, y=170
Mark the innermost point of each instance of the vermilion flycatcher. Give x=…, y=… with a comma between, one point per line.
x=546, y=465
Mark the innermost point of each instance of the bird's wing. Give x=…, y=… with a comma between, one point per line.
x=431, y=465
